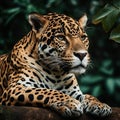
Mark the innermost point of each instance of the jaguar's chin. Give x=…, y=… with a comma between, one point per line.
x=77, y=70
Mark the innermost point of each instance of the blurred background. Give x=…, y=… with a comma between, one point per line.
x=103, y=76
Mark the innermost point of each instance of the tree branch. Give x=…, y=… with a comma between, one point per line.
x=33, y=113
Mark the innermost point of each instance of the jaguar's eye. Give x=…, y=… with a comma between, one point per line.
x=83, y=37
x=61, y=37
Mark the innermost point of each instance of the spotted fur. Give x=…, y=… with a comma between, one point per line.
x=41, y=69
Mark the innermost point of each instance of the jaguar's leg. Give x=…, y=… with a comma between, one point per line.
x=90, y=103
x=60, y=102
x=93, y=106
x=72, y=88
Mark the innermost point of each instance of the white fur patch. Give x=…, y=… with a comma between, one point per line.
x=79, y=66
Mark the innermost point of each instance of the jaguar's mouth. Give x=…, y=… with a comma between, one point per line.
x=78, y=69
x=79, y=66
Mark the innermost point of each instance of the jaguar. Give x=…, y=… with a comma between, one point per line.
x=41, y=68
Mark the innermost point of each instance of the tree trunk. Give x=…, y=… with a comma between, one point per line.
x=33, y=113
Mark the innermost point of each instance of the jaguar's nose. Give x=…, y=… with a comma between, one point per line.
x=80, y=55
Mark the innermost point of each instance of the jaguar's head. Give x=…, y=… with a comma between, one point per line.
x=63, y=43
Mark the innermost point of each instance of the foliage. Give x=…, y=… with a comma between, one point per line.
x=103, y=78
x=108, y=16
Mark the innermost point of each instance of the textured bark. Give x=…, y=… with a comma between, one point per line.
x=32, y=113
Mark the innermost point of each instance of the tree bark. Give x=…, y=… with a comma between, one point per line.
x=33, y=113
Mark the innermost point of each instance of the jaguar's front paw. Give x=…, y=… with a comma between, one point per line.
x=69, y=108
x=105, y=110
x=93, y=106
x=99, y=109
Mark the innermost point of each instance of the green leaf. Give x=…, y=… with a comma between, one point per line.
x=102, y=13
x=12, y=10
x=117, y=81
x=74, y=2
x=116, y=3
x=11, y=17
x=106, y=67
x=31, y=8
x=115, y=34
x=110, y=19
x=96, y=91
x=110, y=85
x=89, y=80
x=50, y=2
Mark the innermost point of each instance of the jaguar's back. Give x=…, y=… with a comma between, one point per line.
x=3, y=73
x=40, y=70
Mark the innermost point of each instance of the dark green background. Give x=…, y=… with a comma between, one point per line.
x=103, y=76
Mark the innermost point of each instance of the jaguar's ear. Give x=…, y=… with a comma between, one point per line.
x=37, y=21
x=83, y=21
